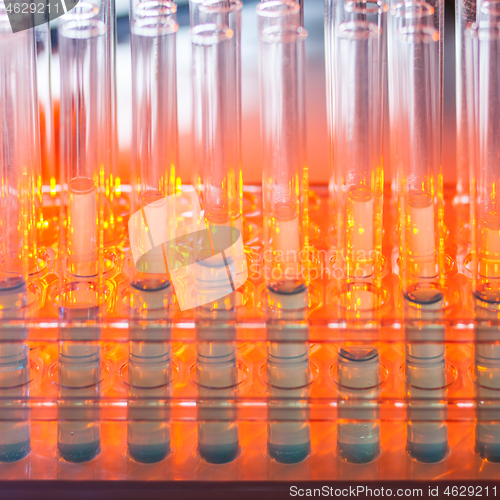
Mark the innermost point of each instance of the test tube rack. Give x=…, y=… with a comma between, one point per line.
x=464, y=400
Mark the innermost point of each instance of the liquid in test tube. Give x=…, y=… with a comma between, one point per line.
x=357, y=42
x=149, y=369
x=217, y=378
x=358, y=430
x=85, y=157
x=487, y=372
x=19, y=164
x=78, y=432
x=427, y=433
x=284, y=185
x=288, y=377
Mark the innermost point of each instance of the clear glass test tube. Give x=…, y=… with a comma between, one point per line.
x=217, y=135
x=482, y=46
x=155, y=132
x=217, y=124
x=285, y=178
x=415, y=67
x=154, y=150
x=486, y=203
x=47, y=222
x=85, y=122
x=20, y=155
x=357, y=113
x=83, y=139
x=19, y=164
x=105, y=10
x=465, y=12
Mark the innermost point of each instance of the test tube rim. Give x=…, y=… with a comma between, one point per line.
x=76, y=29
x=210, y=34
x=267, y=9
x=145, y=5
x=381, y=6
x=83, y=10
x=219, y=6
x=400, y=9
x=154, y=26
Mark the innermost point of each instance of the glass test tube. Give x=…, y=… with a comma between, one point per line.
x=215, y=29
x=83, y=139
x=415, y=66
x=154, y=149
x=155, y=133
x=465, y=12
x=44, y=56
x=486, y=219
x=19, y=163
x=105, y=11
x=358, y=430
x=85, y=123
x=217, y=113
x=481, y=44
x=357, y=114
x=285, y=184
x=46, y=216
x=288, y=377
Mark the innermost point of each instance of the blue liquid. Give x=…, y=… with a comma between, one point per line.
x=218, y=453
x=488, y=451
x=149, y=453
x=360, y=453
x=289, y=453
x=428, y=453
x=14, y=452
x=78, y=453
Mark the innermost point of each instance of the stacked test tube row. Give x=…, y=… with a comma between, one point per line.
x=150, y=388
